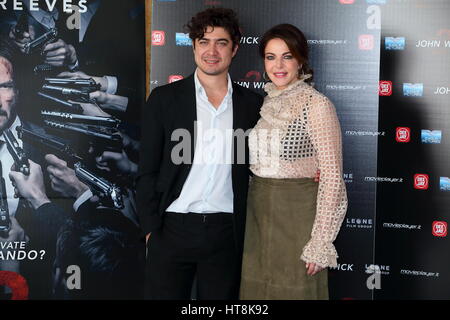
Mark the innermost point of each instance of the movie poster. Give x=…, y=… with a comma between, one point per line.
x=72, y=83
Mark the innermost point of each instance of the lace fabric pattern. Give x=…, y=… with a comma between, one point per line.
x=297, y=135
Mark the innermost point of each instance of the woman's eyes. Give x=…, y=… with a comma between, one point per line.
x=287, y=57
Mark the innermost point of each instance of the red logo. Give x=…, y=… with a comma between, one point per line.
x=385, y=88
x=252, y=76
x=174, y=77
x=421, y=181
x=439, y=228
x=16, y=283
x=346, y=1
x=402, y=134
x=158, y=38
x=365, y=42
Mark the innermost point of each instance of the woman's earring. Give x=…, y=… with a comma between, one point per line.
x=300, y=75
x=266, y=76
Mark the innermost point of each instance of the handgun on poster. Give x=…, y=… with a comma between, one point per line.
x=19, y=156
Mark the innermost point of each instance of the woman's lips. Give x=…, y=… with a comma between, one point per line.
x=280, y=74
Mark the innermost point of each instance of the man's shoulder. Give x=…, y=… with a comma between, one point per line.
x=177, y=87
x=248, y=94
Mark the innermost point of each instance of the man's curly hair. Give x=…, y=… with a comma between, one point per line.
x=215, y=17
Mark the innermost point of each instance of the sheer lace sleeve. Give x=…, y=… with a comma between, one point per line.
x=325, y=134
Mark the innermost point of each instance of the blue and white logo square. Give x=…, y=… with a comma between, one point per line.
x=413, y=89
x=394, y=43
x=182, y=39
x=431, y=136
x=444, y=184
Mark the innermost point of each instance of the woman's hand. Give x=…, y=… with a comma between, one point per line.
x=312, y=268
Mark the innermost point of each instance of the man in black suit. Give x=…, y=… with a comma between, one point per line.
x=192, y=193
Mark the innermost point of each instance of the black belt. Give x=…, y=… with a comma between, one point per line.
x=216, y=217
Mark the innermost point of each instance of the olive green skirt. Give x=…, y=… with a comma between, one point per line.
x=280, y=217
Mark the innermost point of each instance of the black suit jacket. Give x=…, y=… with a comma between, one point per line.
x=159, y=180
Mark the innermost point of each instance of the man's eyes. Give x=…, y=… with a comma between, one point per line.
x=220, y=43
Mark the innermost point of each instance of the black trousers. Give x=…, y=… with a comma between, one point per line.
x=189, y=246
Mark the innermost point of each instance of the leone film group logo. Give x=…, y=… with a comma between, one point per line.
x=359, y=223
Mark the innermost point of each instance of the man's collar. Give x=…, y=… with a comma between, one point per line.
x=12, y=128
x=199, y=88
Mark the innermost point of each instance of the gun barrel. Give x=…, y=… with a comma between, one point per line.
x=65, y=81
x=5, y=222
x=48, y=36
x=100, y=185
x=84, y=82
x=64, y=116
x=49, y=142
x=17, y=153
x=74, y=106
x=112, y=138
x=84, y=85
x=66, y=91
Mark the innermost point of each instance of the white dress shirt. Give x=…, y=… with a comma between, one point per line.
x=208, y=187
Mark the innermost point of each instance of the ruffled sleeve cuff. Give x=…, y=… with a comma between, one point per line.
x=321, y=253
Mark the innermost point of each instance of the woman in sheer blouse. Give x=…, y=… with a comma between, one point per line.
x=292, y=219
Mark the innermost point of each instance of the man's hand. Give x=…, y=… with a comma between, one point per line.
x=312, y=269
x=81, y=75
x=147, y=236
x=110, y=101
x=59, y=54
x=23, y=38
x=30, y=187
x=90, y=109
x=16, y=232
x=115, y=160
x=63, y=179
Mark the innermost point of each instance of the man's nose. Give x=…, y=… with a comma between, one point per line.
x=212, y=48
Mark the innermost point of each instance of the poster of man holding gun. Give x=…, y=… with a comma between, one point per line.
x=68, y=156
